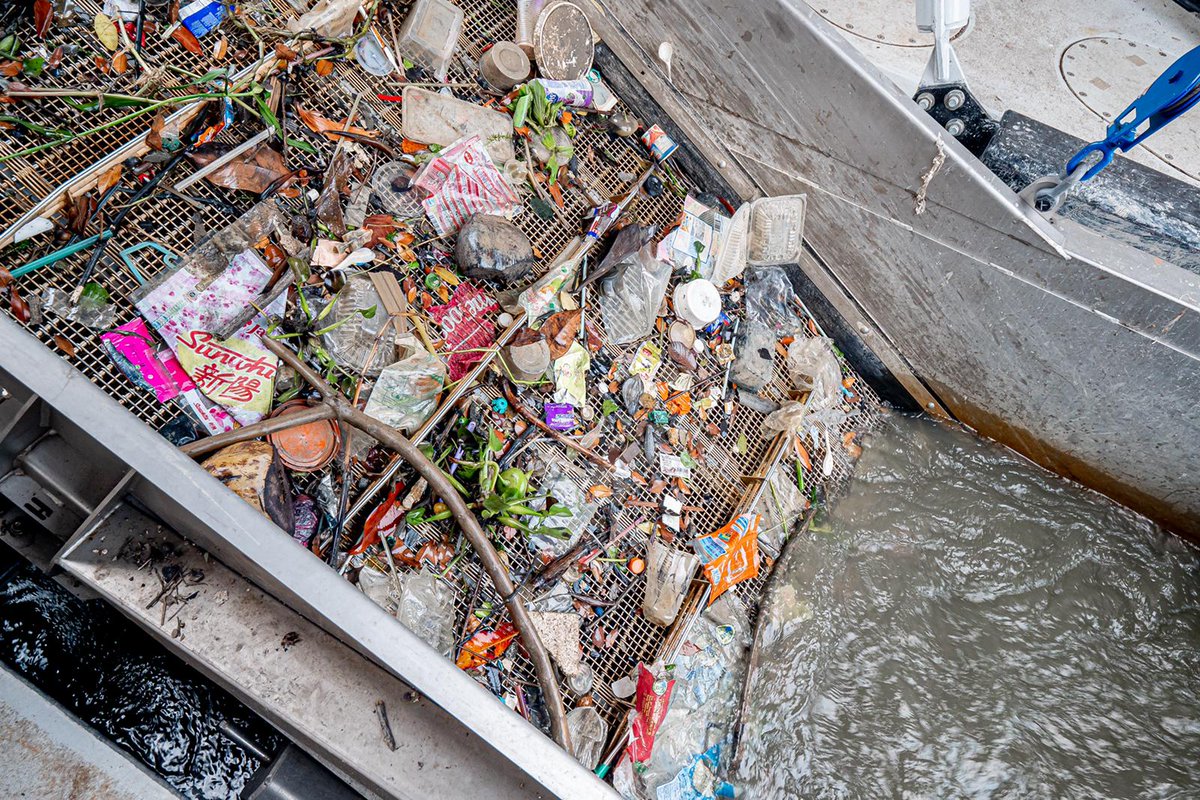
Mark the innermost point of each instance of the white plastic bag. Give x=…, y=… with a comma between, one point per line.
x=633, y=295
x=427, y=609
x=406, y=392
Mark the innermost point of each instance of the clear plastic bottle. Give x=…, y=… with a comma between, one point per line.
x=588, y=732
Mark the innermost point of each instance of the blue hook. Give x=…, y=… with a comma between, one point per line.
x=1172, y=93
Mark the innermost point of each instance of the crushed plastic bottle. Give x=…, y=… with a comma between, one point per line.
x=588, y=732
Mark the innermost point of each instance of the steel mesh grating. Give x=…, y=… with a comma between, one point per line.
x=723, y=482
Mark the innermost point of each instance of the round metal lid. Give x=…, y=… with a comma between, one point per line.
x=562, y=42
x=893, y=23
x=305, y=448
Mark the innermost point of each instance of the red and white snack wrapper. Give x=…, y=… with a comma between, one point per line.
x=651, y=701
x=461, y=181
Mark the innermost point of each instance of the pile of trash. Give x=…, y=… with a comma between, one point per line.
x=431, y=298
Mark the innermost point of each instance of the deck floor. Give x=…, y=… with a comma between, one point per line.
x=1066, y=64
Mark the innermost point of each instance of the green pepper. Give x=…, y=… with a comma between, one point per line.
x=514, y=483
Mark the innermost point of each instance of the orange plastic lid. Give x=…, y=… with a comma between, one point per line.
x=306, y=448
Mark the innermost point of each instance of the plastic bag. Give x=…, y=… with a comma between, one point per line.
x=406, y=393
x=562, y=490
x=771, y=299
x=668, y=574
x=92, y=310
x=814, y=368
x=427, y=609
x=588, y=734
x=754, y=356
x=380, y=587
x=632, y=296
x=730, y=554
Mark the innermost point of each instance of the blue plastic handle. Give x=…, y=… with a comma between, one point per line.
x=1172, y=93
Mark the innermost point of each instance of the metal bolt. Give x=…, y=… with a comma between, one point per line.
x=925, y=101
x=722, y=163
x=956, y=127
x=930, y=405
x=862, y=328
x=955, y=99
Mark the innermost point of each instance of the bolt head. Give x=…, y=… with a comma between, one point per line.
x=956, y=127
x=955, y=99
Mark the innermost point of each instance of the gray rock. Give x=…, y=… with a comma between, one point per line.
x=492, y=248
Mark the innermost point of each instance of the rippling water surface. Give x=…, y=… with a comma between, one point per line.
x=94, y=662
x=964, y=624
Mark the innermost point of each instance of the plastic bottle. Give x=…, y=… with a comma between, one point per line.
x=588, y=732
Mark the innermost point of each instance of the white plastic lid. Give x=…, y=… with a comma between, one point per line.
x=697, y=302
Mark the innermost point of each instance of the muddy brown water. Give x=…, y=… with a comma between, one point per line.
x=965, y=624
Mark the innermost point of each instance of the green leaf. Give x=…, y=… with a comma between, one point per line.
x=686, y=459
x=495, y=443
x=299, y=145
x=33, y=66
x=267, y=114
x=332, y=327
x=368, y=313
x=520, y=111
x=494, y=504
x=609, y=407
x=558, y=510
x=743, y=446
x=33, y=127
x=328, y=307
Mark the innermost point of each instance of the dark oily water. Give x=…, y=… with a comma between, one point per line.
x=965, y=624
x=94, y=662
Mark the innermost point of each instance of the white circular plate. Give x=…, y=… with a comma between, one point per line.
x=893, y=23
x=1106, y=74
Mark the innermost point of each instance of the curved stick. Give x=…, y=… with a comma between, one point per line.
x=390, y=437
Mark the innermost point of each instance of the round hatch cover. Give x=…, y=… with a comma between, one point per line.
x=1107, y=74
x=562, y=42
x=893, y=23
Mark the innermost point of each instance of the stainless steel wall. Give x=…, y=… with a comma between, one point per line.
x=1077, y=351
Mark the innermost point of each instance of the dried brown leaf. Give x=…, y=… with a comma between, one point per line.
x=560, y=330
x=43, y=17
x=78, y=210
x=5, y=277
x=188, y=40
x=55, y=58
x=154, y=136
x=65, y=345
x=109, y=179
x=323, y=67
x=102, y=64
x=11, y=69
x=319, y=124
x=250, y=172
x=120, y=63
x=20, y=309
x=106, y=32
